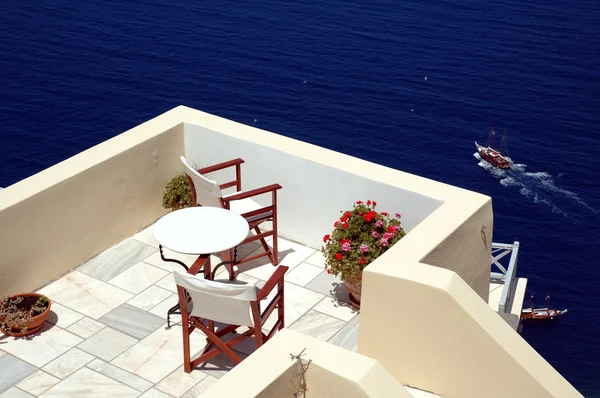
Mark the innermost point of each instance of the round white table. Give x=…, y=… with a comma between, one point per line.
x=199, y=231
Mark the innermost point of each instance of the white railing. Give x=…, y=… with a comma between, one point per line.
x=507, y=274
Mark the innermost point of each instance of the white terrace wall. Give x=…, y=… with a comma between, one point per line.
x=438, y=335
x=54, y=220
x=334, y=372
x=319, y=183
x=313, y=192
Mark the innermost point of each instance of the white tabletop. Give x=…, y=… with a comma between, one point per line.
x=201, y=230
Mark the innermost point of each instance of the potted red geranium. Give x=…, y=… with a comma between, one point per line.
x=358, y=238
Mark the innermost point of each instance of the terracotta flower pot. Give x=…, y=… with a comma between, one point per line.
x=37, y=322
x=354, y=286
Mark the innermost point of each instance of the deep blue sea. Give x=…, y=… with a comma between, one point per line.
x=350, y=76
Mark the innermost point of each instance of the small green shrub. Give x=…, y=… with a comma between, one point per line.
x=177, y=193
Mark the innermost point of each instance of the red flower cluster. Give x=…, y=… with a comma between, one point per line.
x=370, y=215
x=346, y=216
x=359, y=236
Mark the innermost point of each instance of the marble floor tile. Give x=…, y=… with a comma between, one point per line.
x=303, y=274
x=107, y=344
x=154, y=393
x=246, y=347
x=86, y=327
x=68, y=363
x=85, y=294
x=329, y=285
x=146, y=236
x=167, y=283
x=201, y=387
x=15, y=392
x=86, y=383
x=291, y=254
x=41, y=347
x=317, y=259
x=120, y=375
x=13, y=371
x=179, y=382
x=347, y=337
x=336, y=308
x=162, y=308
x=62, y=316
x=317, y=325
x=138, y=277
x=157, y=355
x=132, y=321
x=116, y=259
x=149, y=298
x=37, y=383
x=297, y=301
x=219, y=365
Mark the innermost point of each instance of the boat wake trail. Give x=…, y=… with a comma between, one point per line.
x=539, y=187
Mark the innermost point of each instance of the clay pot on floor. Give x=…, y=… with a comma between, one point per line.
x=38, y=320
x=354, y=286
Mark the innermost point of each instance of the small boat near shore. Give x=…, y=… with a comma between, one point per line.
x=494, y=156
x=541, y=313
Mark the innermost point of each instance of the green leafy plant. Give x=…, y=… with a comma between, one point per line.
x=177, y=193
x=18, y=312
x=358, y=238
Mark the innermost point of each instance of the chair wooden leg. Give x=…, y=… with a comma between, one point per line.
x=275, y=250
x=262, y=241
x=271, y=252
x=187, y=361
x=222, y=347
x=228, y=255
x=280, y=305
x=187, y=365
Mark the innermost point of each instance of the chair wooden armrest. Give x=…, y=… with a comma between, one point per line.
x=220, y=166
x=273, y=281
x=254, y=192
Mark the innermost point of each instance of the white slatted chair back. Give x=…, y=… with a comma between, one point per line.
x=217, y=301
x=208, y=192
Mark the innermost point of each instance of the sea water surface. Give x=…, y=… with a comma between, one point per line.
x=408, y=84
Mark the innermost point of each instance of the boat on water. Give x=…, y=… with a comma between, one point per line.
x=541, y=313
x=494, y=156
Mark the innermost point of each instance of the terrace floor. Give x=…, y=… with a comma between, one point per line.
x=107, y=336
